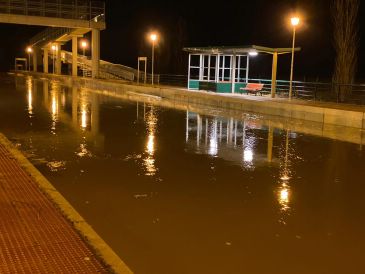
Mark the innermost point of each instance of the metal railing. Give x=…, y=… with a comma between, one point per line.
x=309, y=91
x=66, y=9
x=107, y=70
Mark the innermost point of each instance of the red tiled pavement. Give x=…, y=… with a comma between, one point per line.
x=34, y=236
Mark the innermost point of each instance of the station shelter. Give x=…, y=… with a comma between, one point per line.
x=226, y=69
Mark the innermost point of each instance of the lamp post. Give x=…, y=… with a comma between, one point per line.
x=29, y=51
x=153, y=38
x=54, y=49
x=84, y=45
x=294, y=22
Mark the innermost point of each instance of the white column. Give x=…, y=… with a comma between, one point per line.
x=35, y=59
x=74, y=55
x=95, y=48
x=273, y=76
x=45, y=60
x=233, y=74
x=58, y=59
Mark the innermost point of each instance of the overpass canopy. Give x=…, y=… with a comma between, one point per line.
x=237, y=50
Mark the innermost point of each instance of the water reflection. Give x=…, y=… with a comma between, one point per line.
x=256, y=182
x=222, y=137
x=284, y=192
x=84, y=112
x=84, y=115
x=55, y=90
x=29, y=84
x=151, y=124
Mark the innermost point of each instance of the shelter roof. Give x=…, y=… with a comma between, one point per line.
x=236, y=50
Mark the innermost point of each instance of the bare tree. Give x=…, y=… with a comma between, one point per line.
x=346, y=43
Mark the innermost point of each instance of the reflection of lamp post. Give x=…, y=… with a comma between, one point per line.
x=84, y=45
x=284, y=190
x=29, y=51
x=54, y=49
x=153, y=38
x=295, y=22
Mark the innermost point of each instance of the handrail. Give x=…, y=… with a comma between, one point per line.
x=66, y=9
x=108, y=69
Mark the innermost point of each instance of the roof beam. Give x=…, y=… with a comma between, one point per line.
x=50, y=21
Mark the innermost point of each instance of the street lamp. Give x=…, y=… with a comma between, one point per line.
x=153, y=38
x=54, y=49
x=294, y=22
x=84, y=45
x=29, y=51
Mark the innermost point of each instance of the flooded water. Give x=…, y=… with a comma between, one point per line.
x=176, y=191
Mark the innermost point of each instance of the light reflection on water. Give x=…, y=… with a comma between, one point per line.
x=151, y=124
x=173, y=190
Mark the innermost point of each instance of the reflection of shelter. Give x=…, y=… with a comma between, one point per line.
x=226, y=69
x=227, y=138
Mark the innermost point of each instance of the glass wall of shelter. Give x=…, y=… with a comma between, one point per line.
x=223, y=69
x=226, y=69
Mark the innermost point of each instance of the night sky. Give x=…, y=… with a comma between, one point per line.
x=201, y=23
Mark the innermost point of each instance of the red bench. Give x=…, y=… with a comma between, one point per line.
x=255, y=88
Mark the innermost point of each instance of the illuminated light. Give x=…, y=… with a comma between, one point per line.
x=30, y=96
x=84, y=44
x=151, y=144
x=54, y=105
x=54, y=47
x=83, y=119
x=29, y=50
x=253, y=53
x=284, y=196
x=213, y=139
x=295, y=21
x=248, y=155
x=285, y=177
x=30, y=102
x=213, y=147
x=149, y=163
x=153, y=37
x=84, y=152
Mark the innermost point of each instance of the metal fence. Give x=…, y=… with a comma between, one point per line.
x=67, y=9
x=318, y=91
x=310, y=91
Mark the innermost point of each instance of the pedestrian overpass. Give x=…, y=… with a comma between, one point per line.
x=66, y=20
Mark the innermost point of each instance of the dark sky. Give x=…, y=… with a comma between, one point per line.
x=204, y=23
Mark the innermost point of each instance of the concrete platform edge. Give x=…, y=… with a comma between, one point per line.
x=101, y=249
x=342, y=115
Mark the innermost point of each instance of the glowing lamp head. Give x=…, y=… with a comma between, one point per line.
x=295, y=21
x=253, y=53
x=29, y=50
x=83, y=44
x=54, y=47
x=153, y=37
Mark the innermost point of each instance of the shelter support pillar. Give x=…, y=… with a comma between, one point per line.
x=233, y=74
x=274, y=72
x=74, y=55
x=58, y=59
x=95, y=55
x=45, y=60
